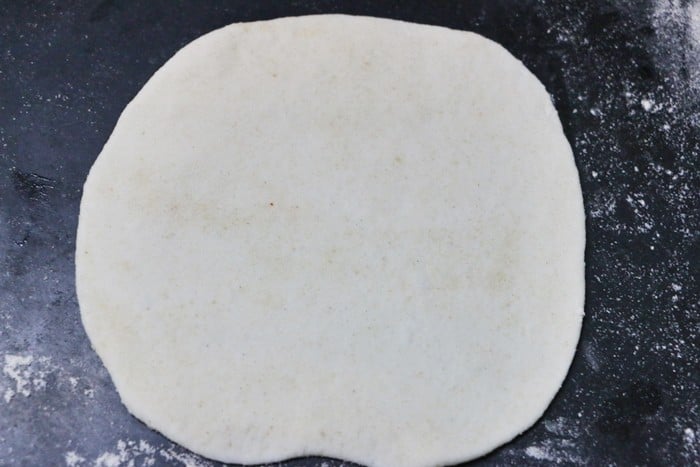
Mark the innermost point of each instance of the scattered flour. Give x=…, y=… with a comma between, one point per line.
x=691, y=444
x=108, y=459
x=591, y=357
x=596, y=112
x=539, y=454
x=562, y=427
x=603, y=208
x=73, y=459
x=128, y=454
x=23, y=375
x=17, y=368
x=559, y=451
x=140, y=453
x=26, y=374
x=560, y=446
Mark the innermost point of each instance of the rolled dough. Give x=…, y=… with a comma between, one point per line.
x=334, y=235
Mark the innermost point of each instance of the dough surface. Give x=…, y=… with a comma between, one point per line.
x=334, y=235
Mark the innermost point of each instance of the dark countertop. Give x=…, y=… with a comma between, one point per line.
x=625, y=77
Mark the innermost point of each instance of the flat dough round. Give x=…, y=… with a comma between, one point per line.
x=334, y=235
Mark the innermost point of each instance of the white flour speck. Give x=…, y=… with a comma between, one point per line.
x=691, y=444
x=539, y=454
x=562, y=427
x=128, y=454
x=604, y=208
x=558, y=449
x=17, y=369
x=73, y=459
x=108, y=459
x=26, y=373
x=146, y=448
x=647, y=105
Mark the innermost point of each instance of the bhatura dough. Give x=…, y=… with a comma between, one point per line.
x=345, y=236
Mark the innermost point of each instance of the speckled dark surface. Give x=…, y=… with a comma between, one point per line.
x=625, y=79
